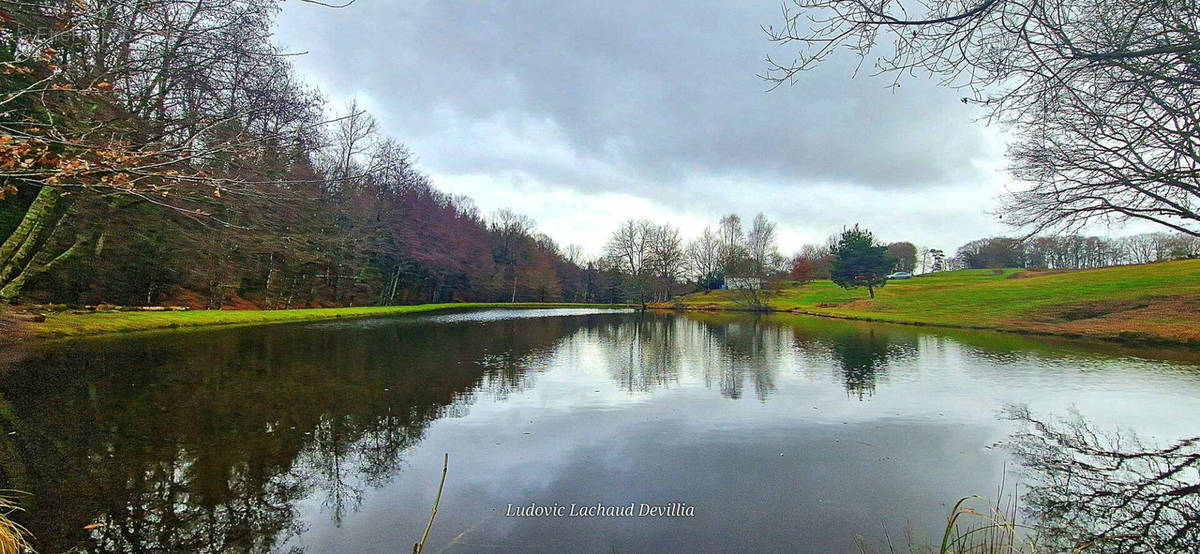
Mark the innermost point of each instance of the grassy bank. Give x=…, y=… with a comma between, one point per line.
x=65, y=324
x=1153, y=302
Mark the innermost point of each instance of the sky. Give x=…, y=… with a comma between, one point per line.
x=583, y=114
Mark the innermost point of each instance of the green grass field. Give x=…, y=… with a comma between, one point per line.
x=1148, y=302
x=64, y=324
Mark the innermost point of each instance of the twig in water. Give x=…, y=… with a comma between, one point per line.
x=445, y=465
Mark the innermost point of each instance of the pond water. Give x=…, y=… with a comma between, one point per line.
x=775, y=433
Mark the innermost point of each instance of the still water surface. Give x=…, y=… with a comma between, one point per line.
x=780, y=433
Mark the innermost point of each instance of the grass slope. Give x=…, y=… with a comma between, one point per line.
x=58, y=325
x=1153, y=302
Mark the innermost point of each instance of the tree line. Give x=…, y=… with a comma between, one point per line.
x=165, y=152
x=649, y=262
x=654, y=263
x=1075, y=251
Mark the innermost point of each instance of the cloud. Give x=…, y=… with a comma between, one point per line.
x=653, y=101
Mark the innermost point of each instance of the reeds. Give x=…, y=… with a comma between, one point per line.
x=974, y=526
x=993, y=529
x=14, y=539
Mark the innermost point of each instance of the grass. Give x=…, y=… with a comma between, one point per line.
x=974, y=526
x=66, y=324
x=1153, y=302
x=14, y=539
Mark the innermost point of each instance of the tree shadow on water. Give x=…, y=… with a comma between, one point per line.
x=1097, y=491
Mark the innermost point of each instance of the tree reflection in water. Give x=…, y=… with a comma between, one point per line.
x=1109, y=492
x=211, y=441
x=649, y=353
x=734, y=352
x=208, y=441
x=860, y=356
x=644, y=352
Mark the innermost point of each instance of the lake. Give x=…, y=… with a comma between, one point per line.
x=742, y=432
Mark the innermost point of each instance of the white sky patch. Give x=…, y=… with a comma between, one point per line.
x=566, y=215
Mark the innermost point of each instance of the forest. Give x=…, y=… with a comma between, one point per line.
x=166, y=153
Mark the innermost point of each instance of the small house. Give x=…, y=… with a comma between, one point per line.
x=744, y=283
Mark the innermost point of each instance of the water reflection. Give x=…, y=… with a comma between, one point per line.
x=750, y=350
x=1105, y=491
x=862, y=355
x=729, y=352
x=208, y=443
x=278, y=438
x=644, y=353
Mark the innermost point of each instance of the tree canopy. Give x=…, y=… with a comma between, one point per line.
x=860, y=261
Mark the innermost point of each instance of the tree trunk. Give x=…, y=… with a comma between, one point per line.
x=25, y=253
x=35, y=227
x=270, y=274
x=42, y=262
x=395, y=285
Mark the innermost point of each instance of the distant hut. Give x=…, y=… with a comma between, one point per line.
x=744, y=283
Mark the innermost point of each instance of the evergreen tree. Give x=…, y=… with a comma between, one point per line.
x=860, y=261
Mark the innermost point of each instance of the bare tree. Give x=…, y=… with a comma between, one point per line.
x=666, y=258
x=512, y=229
x=905, y=254
x=118, y=103
x=704, y=258
x=1141, y=248
x=347, y=158
x=629, y=249
x=574, y=254
x=1102, y=95
x=761, y=248
x=733, y=245
x=818, y=257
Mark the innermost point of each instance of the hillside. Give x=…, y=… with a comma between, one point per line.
x=1153, y=302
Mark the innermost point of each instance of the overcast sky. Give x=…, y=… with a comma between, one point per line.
x=584, y=114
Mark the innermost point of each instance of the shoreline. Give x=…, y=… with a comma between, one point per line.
x=1128, y=338
x=65, y=325
x=1147, y=305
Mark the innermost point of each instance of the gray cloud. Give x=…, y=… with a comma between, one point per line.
x=654, y=99
x=659, y=88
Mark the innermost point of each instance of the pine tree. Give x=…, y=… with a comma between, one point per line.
x=860, y=261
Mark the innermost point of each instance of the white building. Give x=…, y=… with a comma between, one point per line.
x=735, y=283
